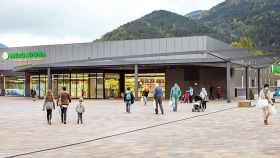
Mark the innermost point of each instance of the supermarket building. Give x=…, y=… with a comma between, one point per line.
x=102, y=70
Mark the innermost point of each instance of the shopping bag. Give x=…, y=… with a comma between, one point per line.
x=170, y=103
x=273, y=110
x=262, y=103
x=154, y=106
x=142, y=99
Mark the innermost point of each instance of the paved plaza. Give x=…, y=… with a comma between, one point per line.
x=235, y=132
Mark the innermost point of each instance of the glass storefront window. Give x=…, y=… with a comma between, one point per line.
x=80, y=85
x=99, y=85
x=35, y=83
x=14, y=85
x=92, y=85
x=66, y=82
x=148, y=80
x=54, y=85
x=43, y=86
x=86, y=85
x=39, y=84
x=112, y=85
x=60, y=82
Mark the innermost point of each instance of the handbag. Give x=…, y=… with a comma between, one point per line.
x=170, y=103
x=262, y=103
x=49, y=105
x=142, y=99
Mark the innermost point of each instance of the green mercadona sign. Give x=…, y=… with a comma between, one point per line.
x=34, y=55
x=275, y=69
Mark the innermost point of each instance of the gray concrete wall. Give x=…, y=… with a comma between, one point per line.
x=173, y=76
x=213, y=77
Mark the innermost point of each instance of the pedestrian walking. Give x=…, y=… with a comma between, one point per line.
x=49, y=105
x=204, y=98
x=80, y=109
x=63, y=101
x=158, y=98
x=191, y=94
x=175, y=94
x=265, y=102
x=33, y=94
x=145, y=94
x=128, y=99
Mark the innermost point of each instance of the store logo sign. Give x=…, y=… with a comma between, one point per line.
x=23, y=56
x=5, y=56
x=275, y=69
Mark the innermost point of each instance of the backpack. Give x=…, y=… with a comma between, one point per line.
x=128, y=96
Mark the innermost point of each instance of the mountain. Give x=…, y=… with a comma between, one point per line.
x=196, y=15
x=2, y=46
x=257, y=19
x=158, y=24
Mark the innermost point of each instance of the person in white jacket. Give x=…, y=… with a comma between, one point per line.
x=265, y=94
x=204, y=96
x=80, y=109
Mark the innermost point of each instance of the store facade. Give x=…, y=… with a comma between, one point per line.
x=103, y=70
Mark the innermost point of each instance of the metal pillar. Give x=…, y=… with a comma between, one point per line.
x=259, y=81
x=228, y=82
x=49, y=78
x=136, y=81
x=247, y=82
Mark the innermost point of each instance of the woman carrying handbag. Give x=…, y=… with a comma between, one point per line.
x=265, y=102
x=49, y=105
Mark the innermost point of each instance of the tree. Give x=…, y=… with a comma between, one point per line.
x=246, y=42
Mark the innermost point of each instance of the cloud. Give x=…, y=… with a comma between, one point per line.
x=33, y=22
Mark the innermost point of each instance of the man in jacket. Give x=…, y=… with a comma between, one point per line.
x=175, y=93
x=63, y=101
x=128, y=99
x=158, y=98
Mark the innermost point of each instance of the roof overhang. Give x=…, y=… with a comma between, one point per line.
x=238, y=57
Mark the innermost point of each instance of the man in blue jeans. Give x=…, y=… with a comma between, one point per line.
x=175, y=94
x=63, y=101
x=128, y=99
x=158, y=98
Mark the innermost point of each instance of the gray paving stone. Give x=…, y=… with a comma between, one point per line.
x=229, y=134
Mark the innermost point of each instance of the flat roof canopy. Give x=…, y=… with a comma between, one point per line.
x=238, y=58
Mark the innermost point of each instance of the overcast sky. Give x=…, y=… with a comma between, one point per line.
x=40, y=22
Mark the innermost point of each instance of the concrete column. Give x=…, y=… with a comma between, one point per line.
x=49, y=78
x=136, y=81
x=27, y=84
x=2, y=80
x=228, y=82
x=247, y=82
x=259, y=81
x=122, y=83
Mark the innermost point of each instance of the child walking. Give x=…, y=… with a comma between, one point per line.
x=80, y=109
